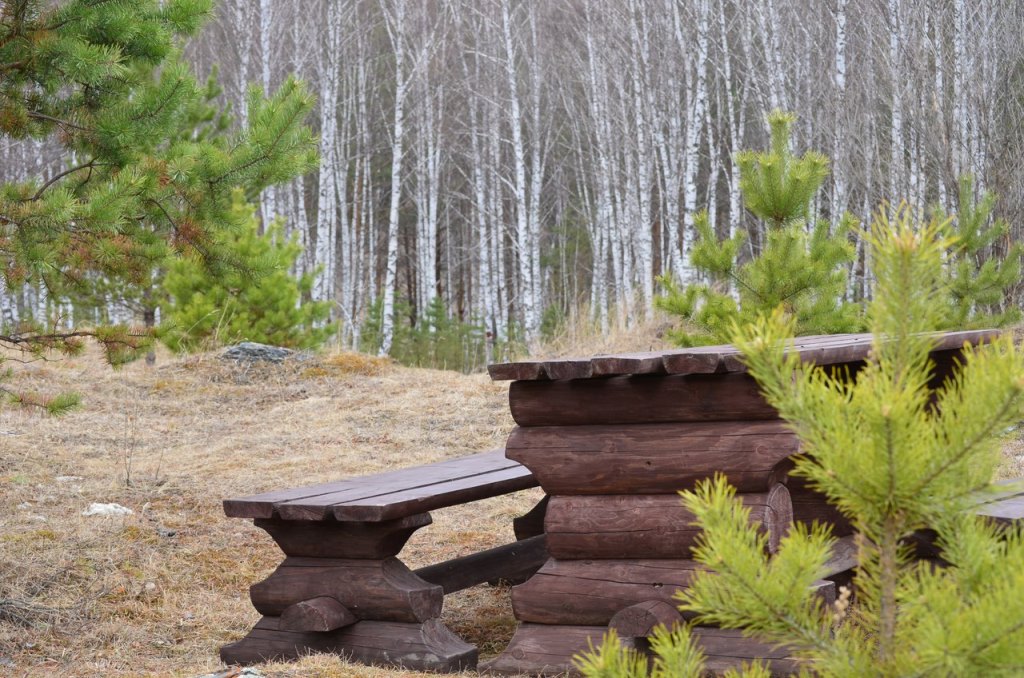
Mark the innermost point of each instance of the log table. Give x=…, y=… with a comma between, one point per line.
x=611, y=439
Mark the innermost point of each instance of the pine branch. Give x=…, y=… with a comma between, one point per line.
x=63, y=123
x=986, y=432
x=58, y=177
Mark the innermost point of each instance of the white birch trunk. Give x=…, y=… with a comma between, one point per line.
x=327, y=197
x=396, y=31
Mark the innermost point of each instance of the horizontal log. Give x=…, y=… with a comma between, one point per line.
x=728, y=649
x=810, y=506
x=540, y=650
x=653, y=458
x=427, y=646
x=638, y=400
x=590, y=592
x=843, y=558
x=329, y=539
x=640, y=620
x=512, y=562
x=372, y=589
x=647, y=525
x=319, y=614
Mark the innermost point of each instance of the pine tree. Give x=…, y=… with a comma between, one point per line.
x=895, y=458
x=254, y=298
x=106, y=82
x=979, y=282
x=801, y=264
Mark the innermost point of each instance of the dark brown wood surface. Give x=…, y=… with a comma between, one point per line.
x=541, y=650
x=817, y=349
x=590, y=592
x=512, y=562
x=427, y=646
x=538, y=650
x=343, y=540
x=391, y=495
x=372, y=589
x=647, y=525
x=638, y=400
x=810, y=506
x=653, y=458
x=728, y=648
x=640, y=620
x=531, y=523
x=318, y=614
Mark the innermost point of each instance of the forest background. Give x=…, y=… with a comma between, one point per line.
x=512, y=164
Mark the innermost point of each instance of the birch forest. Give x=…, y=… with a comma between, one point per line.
x=527, y=160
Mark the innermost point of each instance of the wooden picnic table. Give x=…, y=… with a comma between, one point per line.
x=611, y=439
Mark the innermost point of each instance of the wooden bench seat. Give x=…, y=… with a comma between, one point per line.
x=341, y=587
x=393, y=494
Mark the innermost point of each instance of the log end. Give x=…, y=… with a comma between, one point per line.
x=638, y=621
x=318, y=614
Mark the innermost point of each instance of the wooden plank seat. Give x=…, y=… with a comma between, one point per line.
x=341, y=587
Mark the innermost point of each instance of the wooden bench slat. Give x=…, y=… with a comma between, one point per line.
x=262, y=505
x=381, y=497
x=438, y=495
x=394, y=494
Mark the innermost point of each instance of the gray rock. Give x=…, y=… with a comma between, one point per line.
x=247, y=672
x=251, y=351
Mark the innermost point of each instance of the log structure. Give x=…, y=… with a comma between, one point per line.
x=341, y=587
x=612, y=439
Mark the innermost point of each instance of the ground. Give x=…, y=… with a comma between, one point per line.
x=122, y=595
x=157, y=592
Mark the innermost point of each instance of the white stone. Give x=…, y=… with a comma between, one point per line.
x=96, y=509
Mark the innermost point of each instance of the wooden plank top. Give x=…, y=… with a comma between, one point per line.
x=391, y=495
x=823, y=349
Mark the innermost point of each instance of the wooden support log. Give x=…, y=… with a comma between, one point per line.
x=531, y=523
x=319, y=614
x=653, y=458
x=590, y=592
x=638, y=400
x=647, y=525
x=511, y=562
x=640, y=620
x=728, y=649
x=371, y=589
x=427, y=646
x=540, y=650
x=330, y=539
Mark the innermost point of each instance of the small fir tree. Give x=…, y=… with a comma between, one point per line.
x=253, y=298
x=801, y=264
x=105, y=81
x=895, y=458
x=979, y=280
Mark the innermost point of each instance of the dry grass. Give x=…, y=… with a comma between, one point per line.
x=90, y=596
x=118, y=596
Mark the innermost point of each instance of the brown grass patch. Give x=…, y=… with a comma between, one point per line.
x=123, y=596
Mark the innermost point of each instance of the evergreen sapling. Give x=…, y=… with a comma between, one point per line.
x=895, y=457
x=797, y=262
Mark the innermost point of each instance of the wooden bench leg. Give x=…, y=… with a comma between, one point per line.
x=425, y=646
x=341, y=589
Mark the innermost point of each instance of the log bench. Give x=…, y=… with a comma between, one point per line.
x=341, y=587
